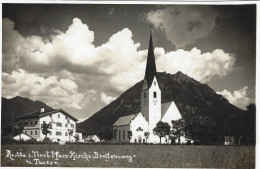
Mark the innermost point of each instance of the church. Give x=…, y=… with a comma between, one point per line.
x=138, y=127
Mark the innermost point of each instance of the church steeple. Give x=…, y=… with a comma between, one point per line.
x=150, y=71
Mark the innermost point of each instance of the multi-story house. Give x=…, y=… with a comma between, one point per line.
x=62, y=125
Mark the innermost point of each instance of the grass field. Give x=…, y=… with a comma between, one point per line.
x=163, y=156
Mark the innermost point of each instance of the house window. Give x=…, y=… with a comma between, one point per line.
x=119, y=135
x=26, y=123
x=72, y=125
x=66, y=125
x=66, y=117
x=31, y=123
x=154, y=94
x=50, y=133
x=50, y=115
x=58, y=133
x=36, y=122
x=58, y=115
x=123, y=134
x=154, y=83
x=35, y=133
x=135, y=140
x=66, y=133
x=25, y=132
x=144, y=94
x=31, y=132
x=59, y=124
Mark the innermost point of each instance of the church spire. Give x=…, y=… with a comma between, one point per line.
x=150, y=71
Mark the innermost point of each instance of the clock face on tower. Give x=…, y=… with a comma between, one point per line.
x=154, y=101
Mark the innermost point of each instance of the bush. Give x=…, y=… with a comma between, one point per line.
x=32, y=141
x=46, y=140
x=188, y=142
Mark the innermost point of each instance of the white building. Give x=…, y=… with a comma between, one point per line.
x=152, y=111
x=22, y=137
x=62, y=125
x=92, y=138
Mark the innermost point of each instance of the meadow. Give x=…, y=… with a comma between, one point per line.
x=163, y=156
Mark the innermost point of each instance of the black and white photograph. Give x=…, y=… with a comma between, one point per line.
x=129, y=85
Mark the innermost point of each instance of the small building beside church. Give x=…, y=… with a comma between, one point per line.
x=92, y=139
x=141, y=124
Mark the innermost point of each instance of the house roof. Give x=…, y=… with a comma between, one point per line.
x=165, y=107
x=38, y=114
x=125, y=120
x=12, y=136
x=150, y=71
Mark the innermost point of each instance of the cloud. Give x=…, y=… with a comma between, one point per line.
x=68, y=70
x=74, y=51
x=53, y=91
x=183, y=25
x=200, y=66
x=82, y=119
x=238, y=97
x=106, y=99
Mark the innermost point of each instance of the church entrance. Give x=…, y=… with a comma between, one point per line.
x=139, y=140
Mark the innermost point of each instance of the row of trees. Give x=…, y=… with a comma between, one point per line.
x=163, y=129
x=206, y=130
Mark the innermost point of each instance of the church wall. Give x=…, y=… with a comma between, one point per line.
x=122, y=133
x=155, y=105
x=139, y=126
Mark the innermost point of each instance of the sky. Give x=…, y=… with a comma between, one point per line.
x=81, y=57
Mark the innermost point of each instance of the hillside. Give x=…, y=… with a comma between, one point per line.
x=191, y=97
x=18, y=106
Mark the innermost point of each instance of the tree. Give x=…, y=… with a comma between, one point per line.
x=162, y=129
x=251, y=123
x=45, y=128
x=76, y=137
x=201, y=128
x=70, y=131
x=244, y=125
x=146, y=134
x=105, y=134
x=129, y=135
x=178, y=128
x=18, y=129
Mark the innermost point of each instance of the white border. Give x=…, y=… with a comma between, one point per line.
x=166, y=2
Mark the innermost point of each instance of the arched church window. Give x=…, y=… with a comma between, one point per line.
x=154, y=83
x=154, y=94
x=139, y=129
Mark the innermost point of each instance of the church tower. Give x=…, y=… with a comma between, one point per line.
x=151, y=93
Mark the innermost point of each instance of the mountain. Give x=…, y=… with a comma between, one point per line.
x=18, y=106
x=191, y=97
